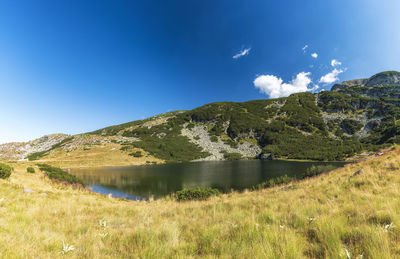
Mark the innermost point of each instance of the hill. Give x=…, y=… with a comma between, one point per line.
x=329, y=216
x=354, y=117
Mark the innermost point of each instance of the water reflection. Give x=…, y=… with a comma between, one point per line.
x=141, y=182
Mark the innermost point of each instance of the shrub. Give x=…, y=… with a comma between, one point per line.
x=199, y=193
x=136, y=154
x=30, y=170
x=58, y=174
x=317, y=170
x=125, y=148
x=5, y=171
x=380, y=219
x=232, y=156
x=36, y=155
x=351, y=126
x=214, y=139
x=284, y=179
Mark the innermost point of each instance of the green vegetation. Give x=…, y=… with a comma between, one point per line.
x=30, y=170
x=310, y=172
x=171, y=148
x=319, y=127
x=317, y=170
x=274, y=182
x=125, y=148
x=214, y=138
x=199, y=193
x=59, y=175
x=5, y=171
x=231, y=156
x=336, y=215
x=351, y=126
x=165, y=142
x=38, y=155
x=290, y=144
x=387, y=73
x=136, y=154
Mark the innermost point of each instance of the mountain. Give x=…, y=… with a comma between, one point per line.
x=355, y=116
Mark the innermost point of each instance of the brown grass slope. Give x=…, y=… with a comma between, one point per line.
x=330, y=216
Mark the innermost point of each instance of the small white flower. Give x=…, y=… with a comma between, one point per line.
x=2, y=199
x=233, y=224
x=387, y=227
x=281, y=226
x=103, y=235
x=103, y=223
x=67, y=248
x=310, y=219
x=347, y=253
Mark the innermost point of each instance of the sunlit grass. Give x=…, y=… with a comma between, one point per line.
x=335, y=215
x=108, y=154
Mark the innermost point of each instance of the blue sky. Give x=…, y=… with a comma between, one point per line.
x=76, y=66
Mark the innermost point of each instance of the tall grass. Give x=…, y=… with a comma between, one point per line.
x=328, y=216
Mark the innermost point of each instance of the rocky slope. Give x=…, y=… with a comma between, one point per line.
x=355, y=116
x=20, y=150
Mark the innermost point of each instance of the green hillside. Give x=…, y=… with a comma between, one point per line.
x=331, y=125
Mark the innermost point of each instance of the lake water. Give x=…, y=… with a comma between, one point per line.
x=141, y=182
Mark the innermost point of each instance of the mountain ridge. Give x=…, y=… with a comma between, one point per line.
x=355, y=116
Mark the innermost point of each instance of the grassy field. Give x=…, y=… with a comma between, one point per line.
x=99, y=155
x=335, y=215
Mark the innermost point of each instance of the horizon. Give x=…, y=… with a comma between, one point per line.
x=77, y=67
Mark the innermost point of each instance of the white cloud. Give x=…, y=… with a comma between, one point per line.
x=335, y=63
x=275, y=88
x=314, y=55
x=331, y=77
x=242, y=53
x=304, y=48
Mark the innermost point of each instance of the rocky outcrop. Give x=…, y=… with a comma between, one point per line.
x=20, y=150
x=386, y=82
x=384, y=78
x=382, y=85
x=200, y=136
x=344, y=85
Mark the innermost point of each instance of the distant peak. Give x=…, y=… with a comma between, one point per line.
x=380, y=79
x=384, y=78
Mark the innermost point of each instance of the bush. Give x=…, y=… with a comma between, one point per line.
x=125, y=148
x=317, y=170
x=58, y=174
x=380, y=219
x=199, y=193
x=232, y=156
x=30, y=170
x=274, y=182
x=136, y=154
x=36, y=155
x=5, y=171
x=214, y=139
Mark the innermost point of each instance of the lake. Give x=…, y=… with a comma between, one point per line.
x=142, y=182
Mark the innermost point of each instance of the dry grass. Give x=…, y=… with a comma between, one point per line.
x=318, y=218
x=99, y=155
